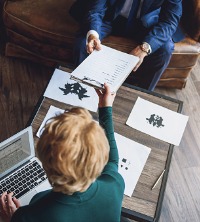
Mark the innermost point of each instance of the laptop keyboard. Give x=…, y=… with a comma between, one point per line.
x=25, y=179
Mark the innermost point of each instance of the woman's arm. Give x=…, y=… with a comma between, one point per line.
x=105, y=120
x=106, y=99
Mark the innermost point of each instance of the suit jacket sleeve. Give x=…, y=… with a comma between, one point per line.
x=169, y=17
x=94, y=16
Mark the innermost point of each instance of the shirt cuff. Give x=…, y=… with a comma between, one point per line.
x=91, y=32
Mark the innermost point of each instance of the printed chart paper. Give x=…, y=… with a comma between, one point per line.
x=52, y=112
x=132, y=159
x=63, y=89
x=106, y=65
x=157, y=121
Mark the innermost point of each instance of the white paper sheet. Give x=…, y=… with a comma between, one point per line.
x=157, y=121
x=132, y=159
x=63, y=89
x=107, y=65
x=53, y=111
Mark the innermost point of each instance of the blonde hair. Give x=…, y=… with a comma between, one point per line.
x=73, y=149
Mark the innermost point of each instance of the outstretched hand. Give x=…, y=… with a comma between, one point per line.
x=106, y=97
x=8, y=206
x=93, y=43
x=139, y=53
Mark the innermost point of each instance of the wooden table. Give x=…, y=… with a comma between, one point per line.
x=145, y=203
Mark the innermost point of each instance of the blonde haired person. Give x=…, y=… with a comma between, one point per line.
x=80, y=158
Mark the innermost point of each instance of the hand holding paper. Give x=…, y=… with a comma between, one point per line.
x=93, y=43
x=106, y=98
x=107, y=65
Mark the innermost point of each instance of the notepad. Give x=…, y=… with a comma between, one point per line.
x=105, y=66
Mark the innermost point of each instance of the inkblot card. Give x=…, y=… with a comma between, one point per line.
x=157, y=121
x=63, y=89
x=132, y=159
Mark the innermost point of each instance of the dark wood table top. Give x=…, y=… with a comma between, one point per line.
x=145, y=203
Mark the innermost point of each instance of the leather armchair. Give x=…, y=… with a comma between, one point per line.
x=44, y=32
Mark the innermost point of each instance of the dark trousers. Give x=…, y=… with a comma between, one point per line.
x=150, y=71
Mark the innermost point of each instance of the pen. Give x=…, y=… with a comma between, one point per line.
x=158, y=179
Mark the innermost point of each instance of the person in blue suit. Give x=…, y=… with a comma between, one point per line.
x=153, y=24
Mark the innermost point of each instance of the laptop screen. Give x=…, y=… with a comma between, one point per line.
x=16, y=150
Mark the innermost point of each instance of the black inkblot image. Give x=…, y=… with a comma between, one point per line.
x=155, y=120
x=125, y=163
x=75, y=88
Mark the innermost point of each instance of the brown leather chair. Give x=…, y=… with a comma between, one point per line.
x=43, y=31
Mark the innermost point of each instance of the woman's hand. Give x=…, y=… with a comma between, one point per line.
x=106, y=98
x=8, y=206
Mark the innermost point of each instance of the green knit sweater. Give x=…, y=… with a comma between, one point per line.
x=101, y=202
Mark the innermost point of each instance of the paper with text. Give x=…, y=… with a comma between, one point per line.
x=63, y=89
x=157, y=121
x=107, y=65
x=132, y=159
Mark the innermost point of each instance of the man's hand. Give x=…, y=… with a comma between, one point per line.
x=8, y=206
x=93, y=43
x=139, y=53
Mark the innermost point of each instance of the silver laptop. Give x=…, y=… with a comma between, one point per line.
x=20, y=171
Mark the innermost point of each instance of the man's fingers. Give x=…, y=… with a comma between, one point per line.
x=97, y=44
x=90, y=47
x=93, y=44
x=137, y=65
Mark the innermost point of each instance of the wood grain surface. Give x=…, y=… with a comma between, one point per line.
x=21, y=85
x=144, y=200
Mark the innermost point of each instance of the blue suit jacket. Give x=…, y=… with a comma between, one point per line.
x=161, y=17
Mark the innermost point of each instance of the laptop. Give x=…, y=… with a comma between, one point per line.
x=20, y=171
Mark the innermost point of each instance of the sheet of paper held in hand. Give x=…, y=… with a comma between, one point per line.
x=63, y=89
x=107, y=65
x=132, y=155
x=157, y=121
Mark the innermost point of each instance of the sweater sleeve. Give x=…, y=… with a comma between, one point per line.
x=18, y=216
x=105, y=120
